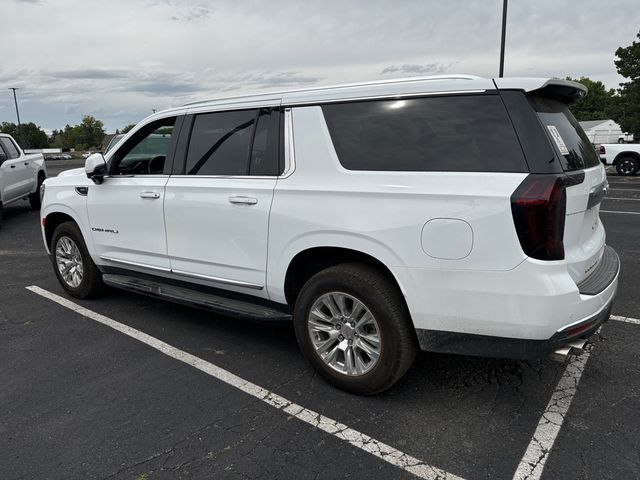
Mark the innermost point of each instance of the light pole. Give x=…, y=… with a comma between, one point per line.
x=15, y=100
x=504, y=35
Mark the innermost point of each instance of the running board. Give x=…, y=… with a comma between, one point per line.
x=186, y=296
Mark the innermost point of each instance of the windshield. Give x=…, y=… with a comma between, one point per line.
x=576, y=151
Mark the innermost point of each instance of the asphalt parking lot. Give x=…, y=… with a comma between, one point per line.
x=97, y=394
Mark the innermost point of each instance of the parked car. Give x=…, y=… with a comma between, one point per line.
x=20, y=174
x=59, y=156
x=625, y=157
x=626, y=138
x=453, y=214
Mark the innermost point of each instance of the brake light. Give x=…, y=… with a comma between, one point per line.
x=538, y=207
x=602, y=150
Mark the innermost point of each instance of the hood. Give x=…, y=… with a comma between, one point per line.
x=73, y=171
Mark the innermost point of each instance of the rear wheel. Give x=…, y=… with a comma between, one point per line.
x=353, y=326
x=72, y=263
x=627, y=166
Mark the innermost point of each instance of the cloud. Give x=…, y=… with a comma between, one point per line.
x=89, y=73
x=414, y=69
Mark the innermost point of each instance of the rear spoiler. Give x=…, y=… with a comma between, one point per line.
x=564, y=91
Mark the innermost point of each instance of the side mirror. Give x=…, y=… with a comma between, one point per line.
x=3, y=157
x=96, y=168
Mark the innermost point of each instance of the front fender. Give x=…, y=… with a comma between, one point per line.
x=76, y=211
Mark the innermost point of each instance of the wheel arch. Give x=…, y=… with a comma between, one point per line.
x=309, y=261
x=624, y=154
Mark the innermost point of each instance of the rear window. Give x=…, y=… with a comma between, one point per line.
x=469, y=133
x=566, y=134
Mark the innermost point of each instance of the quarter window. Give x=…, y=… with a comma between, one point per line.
x=469, y=133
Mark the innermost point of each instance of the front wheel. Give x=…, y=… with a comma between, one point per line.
x=627, y=166
x=72, y=263
x=353, y=326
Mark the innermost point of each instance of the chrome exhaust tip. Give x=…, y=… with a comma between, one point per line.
x=575, y=347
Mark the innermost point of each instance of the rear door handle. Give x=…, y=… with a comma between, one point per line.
x=243, y=200
x=153, y=195
x=12, y=166
x=26, y=163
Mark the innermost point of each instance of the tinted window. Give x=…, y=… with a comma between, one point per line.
x=9, y=148
x=220, y=143
x=146, y=152
x=565, y=133
x=460, y=133
x=266, y=144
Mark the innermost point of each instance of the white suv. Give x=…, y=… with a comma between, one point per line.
x=453, y=214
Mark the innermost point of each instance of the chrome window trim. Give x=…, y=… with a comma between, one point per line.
x=289, y=152
x=385, y=96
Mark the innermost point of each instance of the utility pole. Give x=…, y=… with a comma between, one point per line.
x=15, y=100
x=503, y=38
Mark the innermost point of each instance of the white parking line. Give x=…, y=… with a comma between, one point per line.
x=537, y=453
x=625, y=319
x=535, y=457
x=616, y=211
x=339, y=430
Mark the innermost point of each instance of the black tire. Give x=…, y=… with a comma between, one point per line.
x=381, y=296
x=91, y=283
x=621, y=140
x=34, y=198
x=627, y=166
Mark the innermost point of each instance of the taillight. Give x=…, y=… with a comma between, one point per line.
x=602, y=150
x=539, y=206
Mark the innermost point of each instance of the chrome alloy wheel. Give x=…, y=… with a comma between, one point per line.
x=344, y=333
x=69, y=261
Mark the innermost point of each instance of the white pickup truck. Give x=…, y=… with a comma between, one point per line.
x=20, y=174
x=625, y=157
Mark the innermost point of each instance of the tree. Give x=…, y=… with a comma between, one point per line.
x=90, y=133
x=627, y=112
x=28, y=136
x=127, y=128
x=597, y=105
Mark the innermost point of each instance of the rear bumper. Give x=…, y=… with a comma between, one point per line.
x=502, y=347
x=527, y=312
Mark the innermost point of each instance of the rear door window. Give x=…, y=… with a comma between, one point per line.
x=575, y=150
x=468, y=133
x=235, y=143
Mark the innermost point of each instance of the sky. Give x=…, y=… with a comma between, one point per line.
x=118, y=60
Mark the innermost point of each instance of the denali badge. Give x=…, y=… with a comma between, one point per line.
x=105, y=230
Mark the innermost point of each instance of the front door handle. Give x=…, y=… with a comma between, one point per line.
x=153, y=195
x=26, y=163
x=12, y=166
x=243, y=200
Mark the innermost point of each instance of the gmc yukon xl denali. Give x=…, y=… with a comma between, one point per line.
x=20, y=174
x=450, y=214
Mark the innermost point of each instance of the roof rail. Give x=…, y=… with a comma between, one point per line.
x=345, y=85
